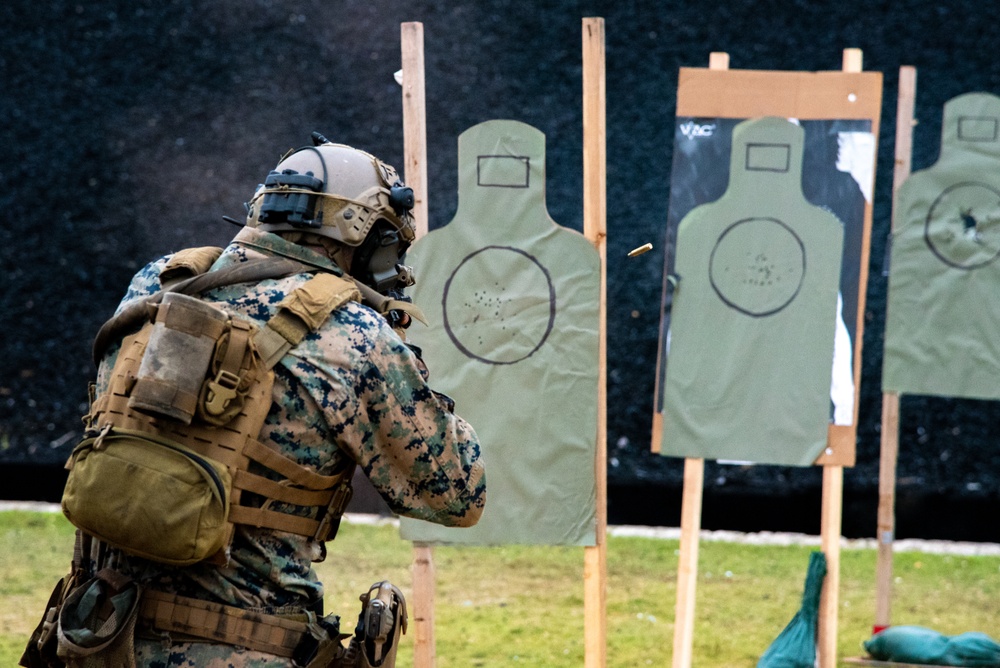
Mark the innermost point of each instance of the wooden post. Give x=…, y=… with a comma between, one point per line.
x=886, y=510
x=694, y=485
x=415, y=120
x=687, y=565
x=890, y=400
x=415, y=175
x=832, y=511
x=424, y=649
x=595, y=229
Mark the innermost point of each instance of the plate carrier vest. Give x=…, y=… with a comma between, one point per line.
x=238, y=386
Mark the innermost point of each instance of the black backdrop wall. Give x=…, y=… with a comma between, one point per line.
x=130, y=128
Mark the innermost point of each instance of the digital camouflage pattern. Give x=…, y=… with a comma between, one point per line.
x=351, y=389
x=156, y=654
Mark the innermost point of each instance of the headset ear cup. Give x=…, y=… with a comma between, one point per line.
x=376, y=261
x=401, y=198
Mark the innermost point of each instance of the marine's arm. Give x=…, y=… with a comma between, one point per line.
x=423, y=459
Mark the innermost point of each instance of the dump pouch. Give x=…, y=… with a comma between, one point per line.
x=97, y=623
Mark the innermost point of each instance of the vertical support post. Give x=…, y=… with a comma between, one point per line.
x=886, y=510
x=890, y=400
x=832, y=512
x=694, y=485
x=687, y=565
x=595, y=229
x=415, y=120
x=424, y=649
x=830, y=524
x=415, y=175
x=718, y=60
x=656, y=442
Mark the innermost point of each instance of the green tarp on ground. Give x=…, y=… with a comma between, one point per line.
x=944, y=279
x=513, y=302
x=751, y=338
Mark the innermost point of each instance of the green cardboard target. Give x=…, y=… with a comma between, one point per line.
x=513, y=304
x=943, y=303
x=751, y=342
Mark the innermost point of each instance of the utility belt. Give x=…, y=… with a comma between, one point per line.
x=93, y=625
x=194, y=620
x=309, y=641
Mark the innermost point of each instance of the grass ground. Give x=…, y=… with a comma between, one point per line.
x=515, y=605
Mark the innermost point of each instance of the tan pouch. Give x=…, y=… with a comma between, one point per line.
x=178, y=353
x=149, y=496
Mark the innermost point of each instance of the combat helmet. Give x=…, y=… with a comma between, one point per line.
x=345, y=194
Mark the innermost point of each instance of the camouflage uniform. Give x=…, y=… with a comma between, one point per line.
x=351, y=389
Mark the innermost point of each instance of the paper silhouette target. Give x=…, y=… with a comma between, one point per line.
x=492, y=303
x=943, y=306
x=963, y=225
x=751, y=348
x=512, y=301
x=757, y=266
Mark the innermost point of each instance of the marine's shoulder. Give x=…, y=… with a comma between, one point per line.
x=358, y=318
x=146, y=281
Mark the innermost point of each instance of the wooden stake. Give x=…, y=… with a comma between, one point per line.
x=886, y=510
x=890, y=400
x=415, y=175
x=694, y=485
x=424, y=650
x=656, y=441
x=718, y=60
x=833, y=501
x=687, y=565
x=853, y=60
x=415, y=120
x=832, y=511
x=595, y=229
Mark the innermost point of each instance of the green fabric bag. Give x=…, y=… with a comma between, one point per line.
x=149, y=496
x=795, y=646
x=916, y=644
